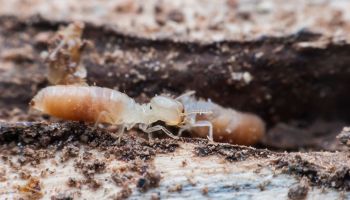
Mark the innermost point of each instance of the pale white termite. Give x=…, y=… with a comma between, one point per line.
x=96, y=104
x=226, y=124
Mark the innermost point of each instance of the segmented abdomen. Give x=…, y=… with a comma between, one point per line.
x=233, y=126
x=81, y=103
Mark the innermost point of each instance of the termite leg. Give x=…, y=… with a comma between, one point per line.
x=105, y=113
x=121, y=131
x=144, y=128
x=119, y=134
x=179, y=134
x=102, y=114
x=205, y=124
x=158, y=128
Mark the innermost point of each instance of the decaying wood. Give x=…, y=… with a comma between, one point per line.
x=242, y=75
x=75, y=160
x=296, y=78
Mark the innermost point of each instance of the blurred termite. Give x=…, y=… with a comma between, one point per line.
x=63, y=56
x=228, y=125
x=103, y=105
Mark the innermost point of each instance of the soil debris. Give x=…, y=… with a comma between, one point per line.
x=121, y=179
x=318, y=174
x=92, y=183
x=32, y=189
x=2, y=174
x=299, y=191
x=62, y=196
x=124, y=193
x=205, y=190
x=344, y=136
x=149, y=180
x=34, y=156
x=175, y=188
x=67, y=135
x=72, y=182
x=230, y=152
x=90, y=168
x=69, y=151
x=155, y=196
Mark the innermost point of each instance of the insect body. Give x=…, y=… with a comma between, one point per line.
x=228, y=125
x=96, y=104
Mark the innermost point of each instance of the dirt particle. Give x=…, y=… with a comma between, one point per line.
x=93, y=183
x=68, y=152
x=184, y=163
x=72, y=182
x=2, y=175
x=127, y=7
x=155, y=196
x=90, y=168
x=262, y=186
x=176, y=16
x=344, y=136
x=121, y=179
x=205, y=190
x=191, y=180
x=24, y=175
x=123, y=194
x=32, y=189
x=175, y=188
x=151, y=179
x=62, y=196
x=87, y=155
x=299, y=191
x=33, y=156
x=138, y=165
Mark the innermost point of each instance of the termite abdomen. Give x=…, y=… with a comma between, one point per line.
x=79, y=103
x=234, y=127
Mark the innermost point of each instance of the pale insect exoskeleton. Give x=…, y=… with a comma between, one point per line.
x=225, y=124
x=192, y=109
x=64, y=55
x=103, y=105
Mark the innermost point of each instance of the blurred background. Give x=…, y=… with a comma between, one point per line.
x=203, y=20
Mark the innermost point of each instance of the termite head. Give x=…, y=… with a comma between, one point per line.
x=167, y=110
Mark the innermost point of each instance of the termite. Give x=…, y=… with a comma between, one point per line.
x=228, y=125
x=103, y=105
x=64, y=54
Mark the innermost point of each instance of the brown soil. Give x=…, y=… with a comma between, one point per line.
x=139, y=153
x=328, y=173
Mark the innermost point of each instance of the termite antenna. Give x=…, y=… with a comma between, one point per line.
x=197, y=112
x=186, y=94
